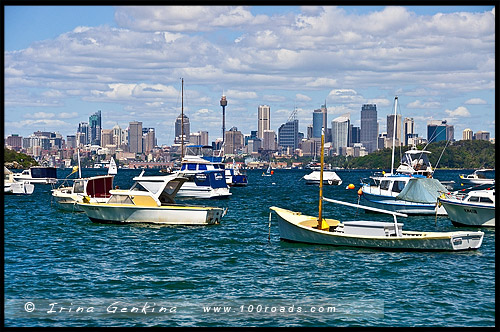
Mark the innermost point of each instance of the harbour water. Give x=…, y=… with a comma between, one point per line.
x=61, y=269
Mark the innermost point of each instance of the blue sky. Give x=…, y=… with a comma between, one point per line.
x=63, y=63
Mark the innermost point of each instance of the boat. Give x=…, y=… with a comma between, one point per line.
x=113, y=170
x=411, y=191
x=38, y=174
x=475, y=208
x=205, y=179
x=297, y=227
x=413, y=195
x=329, y=177
x=480, y=176
x=268, y=172
x=235, y=177
x=95, y=188
x=151, y=199
x=15, y=187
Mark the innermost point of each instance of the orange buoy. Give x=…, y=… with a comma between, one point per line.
x=350, y=186
x=360, y=191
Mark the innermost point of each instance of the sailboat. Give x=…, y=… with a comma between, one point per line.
x=297, y=227
x=268, y=172
x=113, y=170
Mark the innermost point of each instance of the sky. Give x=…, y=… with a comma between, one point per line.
x=64, y=63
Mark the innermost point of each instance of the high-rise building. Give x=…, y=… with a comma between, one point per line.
x=148, y=139
x=439, y=131
x=369, y=127
x=95, y=128
x=467, y=134
x=15, y=142
x=317, y=123
x=482, y=135
x=135, y=136
x=82, y=134
x=408, y=129
x=106, y=137
x=178, y=129
x=233, y=141
x=340, y=132
x=71, y=142
x=269, y=140
x=354, y=135
x=390, y=129
x=288, y=134
x=264, y=121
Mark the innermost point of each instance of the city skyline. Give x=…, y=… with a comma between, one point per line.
x=127, y=62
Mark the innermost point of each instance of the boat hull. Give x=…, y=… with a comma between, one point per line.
x=406, y=207
x=67, y=203
x=18, y=188
x=163, y=215
x=462, y=214
x=292, y=228
x=189, y=189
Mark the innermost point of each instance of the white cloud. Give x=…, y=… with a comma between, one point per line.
x=302, y=97
x=460, y=111
x=424, y=104
x=476, y=101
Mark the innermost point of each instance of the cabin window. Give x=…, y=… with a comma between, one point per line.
x=120, y=199
x=398, y=186
x=474, y=199
x=216, y=166
x=183, y=167
x=78, y=188
x=191, y=167
x=485, y=200
x=202, y=167
x=385, y=185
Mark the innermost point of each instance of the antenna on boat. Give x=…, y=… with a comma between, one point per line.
x=394, y=133
x=182, y=118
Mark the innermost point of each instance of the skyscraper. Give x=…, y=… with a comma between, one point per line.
x=148, y=139
x=408, y=129
x=340, y=132
x=264, y=121
x=369, y=127
x=439, y=131
x=320, y=118
x=135, y=137
x=95, y=128
x=82, y=134
x=233, y=141
x=390, y=128
x=467, y=134
x=288, y=134
x=178, y=130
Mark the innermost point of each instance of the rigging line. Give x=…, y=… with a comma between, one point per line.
x=437, y=163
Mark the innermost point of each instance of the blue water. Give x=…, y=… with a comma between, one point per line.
x=63, y=270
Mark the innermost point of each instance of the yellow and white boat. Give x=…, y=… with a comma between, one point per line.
x=150, y=200
x=296, y=227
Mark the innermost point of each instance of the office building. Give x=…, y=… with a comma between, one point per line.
x=148, y=140
x=482, y=135
x=82, y=134
x=95, y=128
x=340, y=133
x=439, y=131
x=369, y=127
x=264, y=120
x=179, y=122
x=390, y=129
x=467, y=135
x=71, y=142
x=135, y=137
x=233, y=141
x=408, y=130
x=354, y=135
x=106, y=137
x=14, y=141
x=288, y=135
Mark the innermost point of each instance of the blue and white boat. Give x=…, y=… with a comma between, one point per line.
x=410, y=190
x=205, y=174
x=235, y=177
x=38, y=174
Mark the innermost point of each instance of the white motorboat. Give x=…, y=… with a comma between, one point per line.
x=205, y=179
x=480, y=176
x=476, y=208
x=329, y=177
x=38, y=174
x=296, y=227
x=15, y=187
x=151, y=200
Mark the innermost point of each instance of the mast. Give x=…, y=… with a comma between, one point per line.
x=394, y=133
x=320, y=208
x=79, y=167
x=182, y=118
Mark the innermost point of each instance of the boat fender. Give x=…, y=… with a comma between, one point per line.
x=360, y=191
x=330, y=182
x=86, y=199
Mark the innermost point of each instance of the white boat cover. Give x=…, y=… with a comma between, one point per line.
x=422, y=190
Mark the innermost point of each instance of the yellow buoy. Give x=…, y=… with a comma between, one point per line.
x=360, y=191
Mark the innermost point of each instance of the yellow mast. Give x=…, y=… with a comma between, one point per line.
x=321, y=222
